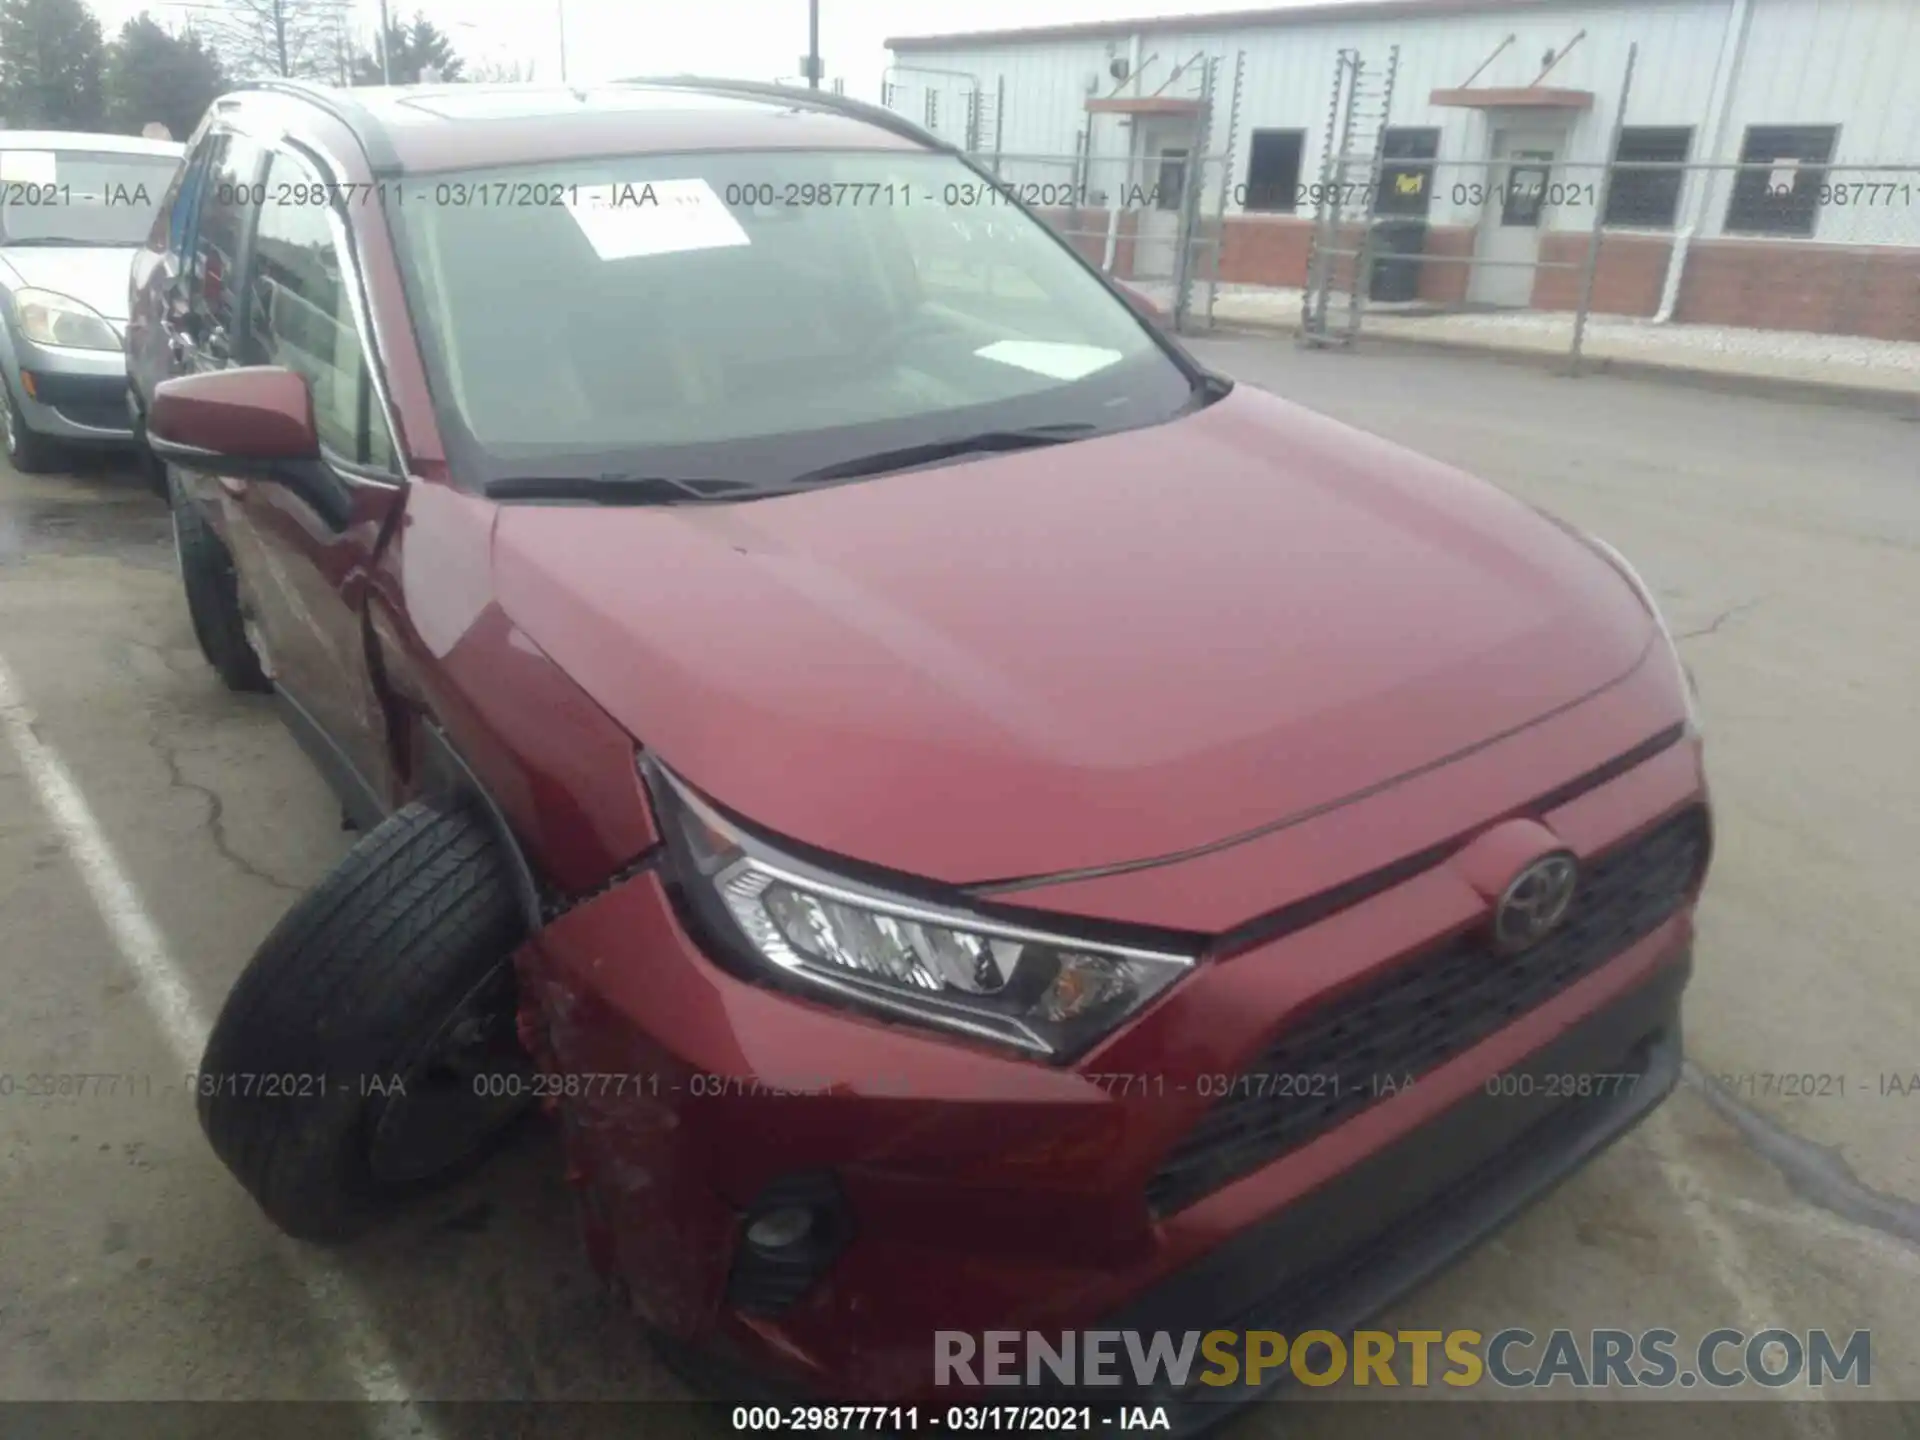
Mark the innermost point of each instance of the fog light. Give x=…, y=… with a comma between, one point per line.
x=793, y=1231
x=778, y=1229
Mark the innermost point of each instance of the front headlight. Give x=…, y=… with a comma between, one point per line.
x=48, y=318
x=1037, y=990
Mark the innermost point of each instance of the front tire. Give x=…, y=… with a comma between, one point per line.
x=213, y=598
x=335, y=1085
x=28, y=451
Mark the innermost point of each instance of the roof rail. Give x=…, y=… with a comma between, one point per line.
x=808, y=99
x=368, y=131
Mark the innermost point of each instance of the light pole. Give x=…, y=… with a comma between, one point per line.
x=386, y=47
x=813, y=44
x=560, y=7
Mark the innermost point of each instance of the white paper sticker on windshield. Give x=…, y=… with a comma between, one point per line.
x=1051, y=358
x=1780, y=179
x=27, y=167
x=659, y=217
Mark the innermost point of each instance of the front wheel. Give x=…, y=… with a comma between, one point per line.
x=28, y=451
x=213, y=597
x=368, y=1052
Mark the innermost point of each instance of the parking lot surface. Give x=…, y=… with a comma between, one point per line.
x=153, y=826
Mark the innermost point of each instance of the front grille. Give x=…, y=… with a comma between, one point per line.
x=1333, y=1063
x=109, y=416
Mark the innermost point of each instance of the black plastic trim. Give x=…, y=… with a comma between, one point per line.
x=1342, y=1254
x=50, y=387
x=313, y=480
x=767, y=1282
x=1264, y=929
x=356, y=794
x=448, y=780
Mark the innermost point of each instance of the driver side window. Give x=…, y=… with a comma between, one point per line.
x=298, y=316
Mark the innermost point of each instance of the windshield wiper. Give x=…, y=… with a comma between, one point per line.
x=931, y=451
x=626, y=489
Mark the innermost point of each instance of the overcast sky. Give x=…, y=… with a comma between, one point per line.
x=751, y=39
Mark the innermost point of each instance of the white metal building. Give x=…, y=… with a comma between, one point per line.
x=1494, y=89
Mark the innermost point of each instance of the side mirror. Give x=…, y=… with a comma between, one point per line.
x=256, y=421
x=1142, y=305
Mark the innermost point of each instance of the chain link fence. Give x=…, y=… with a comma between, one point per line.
x=1547, y=250
x=1541, y=251
x=1527, y=231
x=1154, y=222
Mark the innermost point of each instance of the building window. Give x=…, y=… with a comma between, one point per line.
x=1170, y=190
x=1648, y=199
x=1273, y=170
x=1784, y=197
x=1406, y=171
x=933, y=109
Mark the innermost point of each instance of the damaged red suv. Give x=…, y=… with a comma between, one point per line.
x=971, y=820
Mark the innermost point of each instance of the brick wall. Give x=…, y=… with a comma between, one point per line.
x=1446, y=283
x=1265, y=250
x=1273, y=250
x=1871, y=291
x=1830, y=289
x=1086, y=231
x=1627, y=280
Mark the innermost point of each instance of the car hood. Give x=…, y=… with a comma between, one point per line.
x=1085, y=655
x=96, y=275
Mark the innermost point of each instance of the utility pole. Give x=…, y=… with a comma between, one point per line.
x=386, y=47
x=560, y=7
x=813, y=44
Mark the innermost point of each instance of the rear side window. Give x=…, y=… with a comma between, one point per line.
x=182, y=201
x=299, y=317
x=230, y=184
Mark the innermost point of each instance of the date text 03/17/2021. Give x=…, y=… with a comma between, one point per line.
x=1004, y=1419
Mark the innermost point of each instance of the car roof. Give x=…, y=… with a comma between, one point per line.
x=88, y=141
x=409, y=129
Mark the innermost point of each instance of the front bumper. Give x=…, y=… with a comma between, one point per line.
x=980, y=1200
x=74, y=395
x=974, y=1191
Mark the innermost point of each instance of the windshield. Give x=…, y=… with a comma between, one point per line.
x=81, y=197
x=756, y=317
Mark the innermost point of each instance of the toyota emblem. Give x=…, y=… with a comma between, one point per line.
x=1534, y=903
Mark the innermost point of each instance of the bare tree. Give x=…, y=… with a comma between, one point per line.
x=290, y=38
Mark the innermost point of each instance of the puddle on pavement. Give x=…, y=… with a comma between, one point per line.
x=132, y=526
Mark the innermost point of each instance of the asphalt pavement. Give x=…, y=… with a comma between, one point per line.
x=153, y=826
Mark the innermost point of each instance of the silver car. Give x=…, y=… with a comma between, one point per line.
x=73, y=208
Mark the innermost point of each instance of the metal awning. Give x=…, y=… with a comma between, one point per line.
x=1514, y=97
x=1143, y=105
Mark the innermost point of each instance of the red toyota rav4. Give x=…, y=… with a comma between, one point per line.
x=973, y=820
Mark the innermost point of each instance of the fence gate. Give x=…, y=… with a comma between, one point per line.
x=1340, y=265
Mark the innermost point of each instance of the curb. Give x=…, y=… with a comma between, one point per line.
x=1902, y=403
